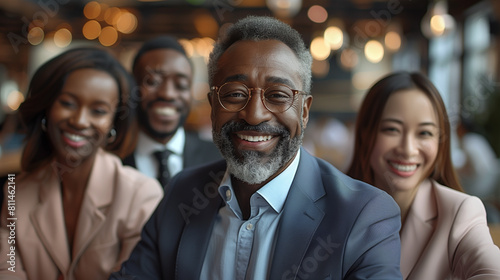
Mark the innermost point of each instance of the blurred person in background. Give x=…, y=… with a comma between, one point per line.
x=79, y=212
x=478, y=167
x=331, y=140
x=11, y=147
x=477, y=162
x=164, y=75
x=402, y=146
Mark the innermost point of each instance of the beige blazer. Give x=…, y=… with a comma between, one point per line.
x=117, y=203
x=445, y=236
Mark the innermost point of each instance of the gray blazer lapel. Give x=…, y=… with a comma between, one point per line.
x=300, y=219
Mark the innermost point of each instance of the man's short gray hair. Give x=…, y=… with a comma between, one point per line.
x=259, y=28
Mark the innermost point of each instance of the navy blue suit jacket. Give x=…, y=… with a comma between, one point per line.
x=332, y=227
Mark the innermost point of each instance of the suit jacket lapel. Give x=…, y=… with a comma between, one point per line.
x=190, y=150
x=51, y=231
x=418, y=227
x=98, y=195
x=192, y=246
x=300, y=218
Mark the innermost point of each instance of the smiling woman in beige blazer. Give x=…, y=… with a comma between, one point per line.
x=79, y=212
x=403, y=147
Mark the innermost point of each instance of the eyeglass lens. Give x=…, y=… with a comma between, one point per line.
x=235, y=96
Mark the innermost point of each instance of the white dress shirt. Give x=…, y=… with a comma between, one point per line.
x=146, y=146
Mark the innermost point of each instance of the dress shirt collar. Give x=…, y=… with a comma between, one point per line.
x=274, y=192
x=147, y=145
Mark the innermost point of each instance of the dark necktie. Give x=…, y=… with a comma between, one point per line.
x=163, y=173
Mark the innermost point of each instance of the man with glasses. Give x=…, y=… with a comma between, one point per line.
x=270, y=210
x=164, y=76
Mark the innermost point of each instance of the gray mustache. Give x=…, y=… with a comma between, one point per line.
x=232, y=127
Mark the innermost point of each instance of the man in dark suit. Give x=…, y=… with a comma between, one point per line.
x=164, y=75
x=269, y=210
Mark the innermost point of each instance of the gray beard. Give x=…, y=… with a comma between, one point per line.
x=254, y=167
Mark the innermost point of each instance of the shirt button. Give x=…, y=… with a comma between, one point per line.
x=228, y=194
x=249, y=226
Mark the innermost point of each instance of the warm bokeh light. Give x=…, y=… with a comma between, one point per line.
x=317, y=13
x=198, y=46
x=62, y=38
x=320, y=50
x=65, y=25
x=348, y=59
x=108, y=36
x=127, y=22
x=206, y=25
x=320, y=68
x=364, y=80
x=36, y=35
x=203, y=46
x=334, y=37
x=392, y=41
x=92, y=10
x=188, y=47
x=209, y=45
x=438, y=25
x=104, y=8
x=374, y=51
x=284, y=8
x=14, y=99
x=111, y=15
x=437, y=21
x=36, y=23
x=91, y=29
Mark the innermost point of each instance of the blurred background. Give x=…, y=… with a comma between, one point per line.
x=353, y=42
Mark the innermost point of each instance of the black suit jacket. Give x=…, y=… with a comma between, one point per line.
x=332, y=227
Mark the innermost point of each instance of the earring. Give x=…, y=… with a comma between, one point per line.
x=44, y=124
x=112, y=135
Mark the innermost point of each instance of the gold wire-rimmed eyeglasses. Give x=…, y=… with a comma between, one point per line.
x=234, y=96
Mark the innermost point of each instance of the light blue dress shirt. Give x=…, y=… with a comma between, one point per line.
x=239, y=249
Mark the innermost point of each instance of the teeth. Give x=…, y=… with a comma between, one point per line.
x=404, y=167
x=165, y=111
x=255, y=138
x=74, y=137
